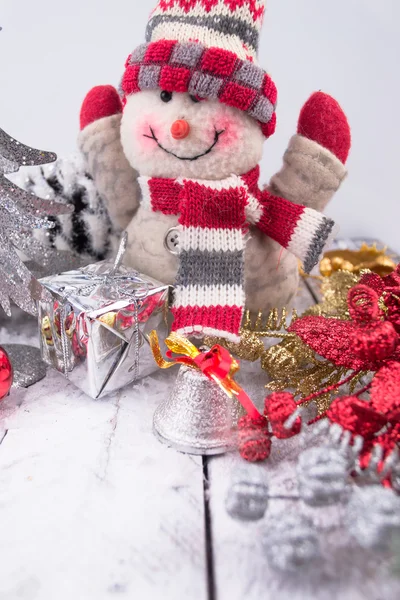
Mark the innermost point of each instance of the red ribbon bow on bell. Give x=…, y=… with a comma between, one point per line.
x=217, y=364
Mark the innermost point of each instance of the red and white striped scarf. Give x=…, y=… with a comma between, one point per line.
x=214, y=218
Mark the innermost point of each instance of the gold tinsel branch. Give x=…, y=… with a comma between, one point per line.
x=271, y=325
x=290, y=363
x=254, y=329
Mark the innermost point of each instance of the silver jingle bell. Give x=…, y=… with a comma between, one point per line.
x=198, y=417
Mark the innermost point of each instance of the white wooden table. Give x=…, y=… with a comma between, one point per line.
x=93, y=507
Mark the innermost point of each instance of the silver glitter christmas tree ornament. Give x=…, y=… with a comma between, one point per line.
x=14, y=155
x=322, y=475
x=373, y=517
x=247, y=497
x=290, y=542
x=27, y=364
x=20, y=212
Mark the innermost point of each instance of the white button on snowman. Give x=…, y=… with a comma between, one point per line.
x=171, y=240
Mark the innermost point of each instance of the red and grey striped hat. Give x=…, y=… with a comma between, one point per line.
x=209, y=49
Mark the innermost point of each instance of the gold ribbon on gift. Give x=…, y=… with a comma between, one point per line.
x=217, y=364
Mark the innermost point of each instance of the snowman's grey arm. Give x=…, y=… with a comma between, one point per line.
x=114, y=178
x=310, y=174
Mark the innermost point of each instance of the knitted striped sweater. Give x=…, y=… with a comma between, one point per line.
x=214, y=219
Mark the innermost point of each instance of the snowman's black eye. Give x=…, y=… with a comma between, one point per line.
x=195, y=99
x=166, y=96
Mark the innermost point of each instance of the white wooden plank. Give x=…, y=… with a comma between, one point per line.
x=241, y=569
x=91, y=504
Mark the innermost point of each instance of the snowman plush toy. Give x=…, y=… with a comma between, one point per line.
x=175, y=155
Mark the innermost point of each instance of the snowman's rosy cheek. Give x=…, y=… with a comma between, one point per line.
x=146, y=144
x=231, y=134
x=143, y=128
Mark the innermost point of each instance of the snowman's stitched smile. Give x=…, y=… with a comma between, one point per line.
x=191, y=158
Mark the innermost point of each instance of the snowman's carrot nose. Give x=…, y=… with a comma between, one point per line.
x=180, y=129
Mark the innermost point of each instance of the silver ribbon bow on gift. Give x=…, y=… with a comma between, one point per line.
x=117, y=283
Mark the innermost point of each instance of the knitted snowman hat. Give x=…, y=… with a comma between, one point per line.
x=207, y=48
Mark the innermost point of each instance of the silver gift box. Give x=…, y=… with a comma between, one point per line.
x=95, y=330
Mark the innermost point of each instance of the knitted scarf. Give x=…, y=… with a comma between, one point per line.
x=209, y=293
x=214, y=218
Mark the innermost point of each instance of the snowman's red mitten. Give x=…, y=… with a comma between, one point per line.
x=102, y=101
x=323, y=121
x=313, y=168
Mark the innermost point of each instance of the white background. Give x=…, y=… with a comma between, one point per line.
x=52, y=52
